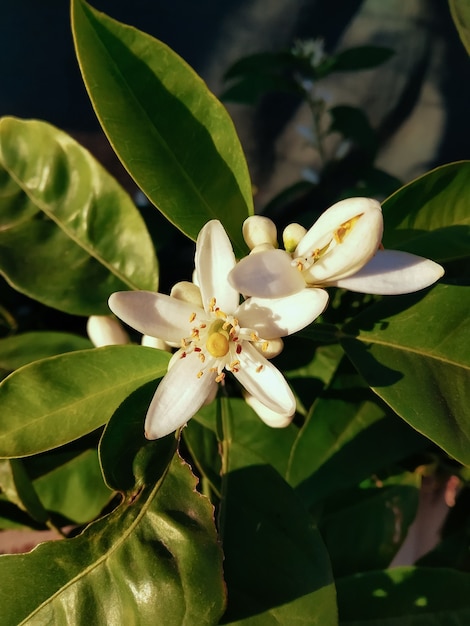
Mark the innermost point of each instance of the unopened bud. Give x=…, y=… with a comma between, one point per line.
x=187, y=292
x=104, y=330
x=155, y=342
x=291, y=236
x=258, y=229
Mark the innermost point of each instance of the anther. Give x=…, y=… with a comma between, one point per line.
x=265, y=346
x=200, y=373
x=192, y=317
x=220, y=377
x=259, y=368
x=238, y=349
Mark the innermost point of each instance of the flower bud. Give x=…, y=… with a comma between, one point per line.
x=187, y=292
x=104, y=330
x=258, y=229
x=291, y=236
x=155, y=342
x=268, y=416
x=270, y=348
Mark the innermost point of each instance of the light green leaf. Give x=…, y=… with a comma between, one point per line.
x=51, y=402
x=413, y=351
x=18, y=488
x=154, y=560
x=77, y=236
x=460, y=11
x=415, y=596
x=174, y=137
x=430, y=215
x=276, y=567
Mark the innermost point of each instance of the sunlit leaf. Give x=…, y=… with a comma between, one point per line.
x=174, y=137
x=79, y=236
x=51, y=402
x=154, y=559
x=413, y=351
x=430, y=215
x=460, y=11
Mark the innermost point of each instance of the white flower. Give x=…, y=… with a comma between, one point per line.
x=104, y=330
x=341, y=249
x=220, y=335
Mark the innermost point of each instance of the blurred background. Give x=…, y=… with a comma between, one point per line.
x=417, y=101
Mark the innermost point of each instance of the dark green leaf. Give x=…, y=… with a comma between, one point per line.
x=276, y=567
x=353, y=124
x=83, y=238
x=360, y=58
x=377, y=515
x=174, y=137
x=51, y=402
x=405, y=595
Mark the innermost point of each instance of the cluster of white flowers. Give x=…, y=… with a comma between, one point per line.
x=215, y=331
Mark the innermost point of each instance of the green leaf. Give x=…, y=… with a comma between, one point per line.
x=405, y=595
x=276, y=567
x=413, y=351
x=174, y=137
x=377, y=515
x=460, y=11
x=51, y=402
x=154, y=560
x=340, y=443
x=25, y=348
x=360, y=58
x=430, y=215
x=76, y=489
x=18, y=488
x=83, y=238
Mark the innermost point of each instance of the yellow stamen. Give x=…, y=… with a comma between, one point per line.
x=220, y=377
x=259, y=368
x=265, y=346
x=254, y=336
x=200, y=373
x=202, y=358
x=192, y=317
x=343, y=230
x=212, y=304
x=234, y=365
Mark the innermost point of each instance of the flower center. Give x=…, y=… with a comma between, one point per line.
x=217, y=343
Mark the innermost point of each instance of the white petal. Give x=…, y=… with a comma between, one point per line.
x=269, y=349
x=278, y=317
x=392, y=272
x=178, y=397
x=104, y=330
x=262, y=380
x=269, y=417
x=154, y=314
x=268, y=274
x=357, y=247
x=214, y=260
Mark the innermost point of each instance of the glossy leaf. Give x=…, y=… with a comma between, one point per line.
x=460, y=11
x=174, y=137
x=377, y=515
x=279, y=572
x=51, y=402
x=413, y=351
x=24, y=348
x=430, y=216
x=154, y=559
x=83, y=238
x=415, y=596
x=346, y=428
